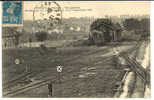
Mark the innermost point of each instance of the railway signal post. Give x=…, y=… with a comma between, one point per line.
x=59, y=70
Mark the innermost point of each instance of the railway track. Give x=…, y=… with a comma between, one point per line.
x=11, y=83
x=135, y=67
x=44, y=82
x=17, y=80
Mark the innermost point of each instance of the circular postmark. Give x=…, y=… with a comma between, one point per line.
x=47, y=15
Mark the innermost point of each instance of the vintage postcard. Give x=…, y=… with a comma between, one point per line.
x=74, y=49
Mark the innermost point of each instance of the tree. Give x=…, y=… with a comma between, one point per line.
x=41, y=36
x=103, y=26
x=131, y=24
x=104, y=30
x=140, y=27
x=17, y=37
x=145, y=26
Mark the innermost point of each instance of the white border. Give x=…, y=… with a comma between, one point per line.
x=152, y=47
x=152, y=63
x=1, y=49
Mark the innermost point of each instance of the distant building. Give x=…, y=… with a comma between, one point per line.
x=78, y=29
x=10, y=37
x=32, y=44
x=58, y=31
x=71, y=28
x=8, y=40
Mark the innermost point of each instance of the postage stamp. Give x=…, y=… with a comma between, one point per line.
x=12, y=13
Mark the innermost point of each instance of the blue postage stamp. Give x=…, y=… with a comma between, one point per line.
x=12, y=12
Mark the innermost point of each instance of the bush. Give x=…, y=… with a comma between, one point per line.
x=141, y=27
x=102, y=31
x=41, y=36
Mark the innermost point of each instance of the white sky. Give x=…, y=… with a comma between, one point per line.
x=99, y=9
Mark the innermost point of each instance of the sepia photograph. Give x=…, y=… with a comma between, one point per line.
x=76, y=49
